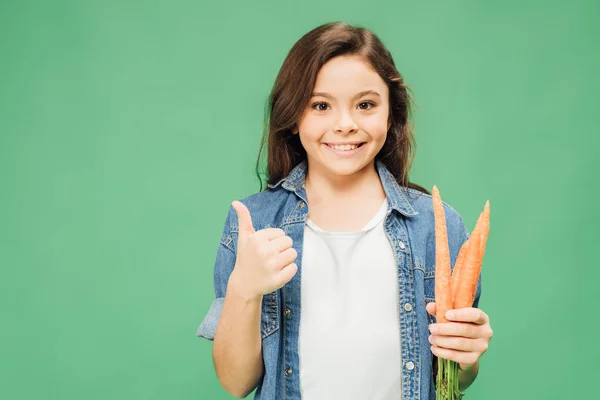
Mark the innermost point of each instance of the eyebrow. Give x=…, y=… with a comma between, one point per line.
x=361, y=94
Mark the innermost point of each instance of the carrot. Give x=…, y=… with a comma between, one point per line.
x=457, y=271
x=466, y=289
x=463, y=292
x=456, y=290
x=485, y=229
x=486, y=226
x=443, y=296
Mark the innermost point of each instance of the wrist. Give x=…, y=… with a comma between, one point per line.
x=236, y=288
x=467, y=368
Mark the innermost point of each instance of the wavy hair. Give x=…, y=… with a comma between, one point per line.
x=292, y=90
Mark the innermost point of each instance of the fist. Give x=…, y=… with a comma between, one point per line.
x=264, y=260
x=464, y=338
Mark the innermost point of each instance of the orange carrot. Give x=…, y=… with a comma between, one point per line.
x=458, y=289
x=485, y=229
x=457, y=270
x=466, y=290
x=486, y=226
x=443, y=299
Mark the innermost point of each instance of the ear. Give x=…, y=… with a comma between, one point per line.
x=389, y=125
x=295, y=129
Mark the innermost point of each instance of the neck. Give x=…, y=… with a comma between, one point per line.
x=323, y=185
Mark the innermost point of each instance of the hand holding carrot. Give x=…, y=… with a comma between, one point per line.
x=462, y=333
x=464, y=338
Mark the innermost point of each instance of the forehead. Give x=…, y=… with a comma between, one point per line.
x=348, y=74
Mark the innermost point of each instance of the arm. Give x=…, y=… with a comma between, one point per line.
x=233, y=323
x=237, y=348
x=261, y=264
x=467, y=377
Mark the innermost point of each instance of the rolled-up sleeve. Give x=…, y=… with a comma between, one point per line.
x=208, y=327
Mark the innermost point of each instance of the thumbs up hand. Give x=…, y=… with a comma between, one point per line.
x=264, y=261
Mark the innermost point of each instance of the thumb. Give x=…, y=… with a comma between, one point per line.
x=430, y=307
x=244, y=219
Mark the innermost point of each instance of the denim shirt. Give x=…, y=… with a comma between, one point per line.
x=409, y=226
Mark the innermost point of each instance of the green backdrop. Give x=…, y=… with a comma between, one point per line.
x=127, y=128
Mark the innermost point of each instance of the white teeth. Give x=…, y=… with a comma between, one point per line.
x=345, y=147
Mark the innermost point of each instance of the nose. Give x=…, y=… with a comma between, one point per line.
x=345, y=124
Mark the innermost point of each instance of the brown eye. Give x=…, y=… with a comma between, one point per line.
x=318, y=105
x=368, y=103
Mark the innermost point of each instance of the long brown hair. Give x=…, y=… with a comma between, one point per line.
x=292, y=91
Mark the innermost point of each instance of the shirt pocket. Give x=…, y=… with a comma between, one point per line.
x=429, y=288
x=269, y=318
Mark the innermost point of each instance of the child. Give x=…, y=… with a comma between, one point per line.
x=324, y=280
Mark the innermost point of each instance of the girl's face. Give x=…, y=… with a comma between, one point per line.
x=345, y=123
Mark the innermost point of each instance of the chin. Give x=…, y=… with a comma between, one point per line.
x=345, y=168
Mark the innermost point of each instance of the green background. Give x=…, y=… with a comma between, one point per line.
x=127, y=128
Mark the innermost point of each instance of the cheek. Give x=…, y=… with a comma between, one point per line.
x=312, y=129
x=376, y=127
x=312, y=124
x=309, y=137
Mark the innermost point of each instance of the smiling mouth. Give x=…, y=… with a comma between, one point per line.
x=345, y=147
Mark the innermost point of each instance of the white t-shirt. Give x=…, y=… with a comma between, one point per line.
x=349, y=339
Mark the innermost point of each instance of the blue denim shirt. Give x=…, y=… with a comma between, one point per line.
x=409, y=226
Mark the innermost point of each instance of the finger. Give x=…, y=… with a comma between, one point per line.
x=461, y=357
x=431, y=309
x=463, y=329
x=458, y=343
x=468, y=314
x=244, y=219
x=286, y=257
x=286, y=274
x=281, y=243
x=270, y=233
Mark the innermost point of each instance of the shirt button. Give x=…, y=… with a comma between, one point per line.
x=408, y=307
x=287, y=312
x=288, y=371
x=301, y=205
x=410, y=365
x=402, y=245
